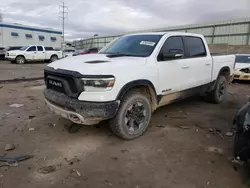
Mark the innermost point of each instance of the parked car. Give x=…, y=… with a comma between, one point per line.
x=242, y=67
x=4, y=50
x=2, y=53
x=133, y=76
x=88, y=51
x=33, y=53
x=68, y=52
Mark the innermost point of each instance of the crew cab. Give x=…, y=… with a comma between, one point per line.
x=133, y=76
x=33, y=53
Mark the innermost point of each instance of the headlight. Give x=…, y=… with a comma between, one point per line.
x=98, y=84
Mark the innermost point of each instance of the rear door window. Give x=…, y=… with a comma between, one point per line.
x=39, y=48
x=195, y=47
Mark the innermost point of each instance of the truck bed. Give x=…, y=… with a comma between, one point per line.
x=220, y=61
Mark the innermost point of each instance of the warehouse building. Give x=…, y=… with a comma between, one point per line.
x=232, y=32
x=21, y=35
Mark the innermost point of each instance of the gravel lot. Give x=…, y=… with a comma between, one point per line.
x=15, y=71
x=177, y=151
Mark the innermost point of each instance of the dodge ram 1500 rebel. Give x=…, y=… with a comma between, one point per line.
x=133, y=76
x=33, y=53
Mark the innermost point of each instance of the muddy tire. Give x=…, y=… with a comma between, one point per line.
x=218, y=94
x=53, y=58
x=240, y=146
x=133, y=116
x=20, y=60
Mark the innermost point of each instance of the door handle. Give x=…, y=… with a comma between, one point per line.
x=185, y=66
x=34, y=52
x=208, y=64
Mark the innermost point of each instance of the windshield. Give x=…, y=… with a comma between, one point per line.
x=24, y=48
x=133, y=45
x=242, y=59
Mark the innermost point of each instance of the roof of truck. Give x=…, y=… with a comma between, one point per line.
x=164, y=33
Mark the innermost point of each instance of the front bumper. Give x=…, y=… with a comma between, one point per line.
x=242, y=76
x=80, y=112
x=10, y=58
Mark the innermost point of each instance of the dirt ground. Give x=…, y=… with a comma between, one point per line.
x=177, y=151
x=14, y=71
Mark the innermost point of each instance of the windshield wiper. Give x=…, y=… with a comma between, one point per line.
x=118, y=55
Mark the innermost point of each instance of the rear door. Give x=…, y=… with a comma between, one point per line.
x=30, y=53
x=40, y=53
x=199, y=62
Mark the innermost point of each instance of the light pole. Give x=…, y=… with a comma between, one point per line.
x=63, y=16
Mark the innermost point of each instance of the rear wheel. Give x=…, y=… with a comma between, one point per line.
x=53, y=58
x=133, y=116
x=20, y=60
x=218, y=94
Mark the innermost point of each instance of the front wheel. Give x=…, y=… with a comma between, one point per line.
x=218, y=94
x=133, y=116
x=20, y=60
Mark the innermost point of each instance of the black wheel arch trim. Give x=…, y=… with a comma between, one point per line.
x=53, y=55
x=226, y=68
x=135, y=83
x=20, y=55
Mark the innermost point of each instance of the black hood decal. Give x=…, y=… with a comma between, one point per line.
x=96, y=61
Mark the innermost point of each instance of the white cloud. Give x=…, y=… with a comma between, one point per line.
x=104, y=17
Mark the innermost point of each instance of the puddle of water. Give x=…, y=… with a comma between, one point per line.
x=42, y=87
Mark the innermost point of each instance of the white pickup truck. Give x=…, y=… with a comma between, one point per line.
x=133, y=76
x=33, y=53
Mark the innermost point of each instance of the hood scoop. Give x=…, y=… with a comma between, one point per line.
x=96, y=61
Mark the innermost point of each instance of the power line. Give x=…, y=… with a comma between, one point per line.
x=63, y=12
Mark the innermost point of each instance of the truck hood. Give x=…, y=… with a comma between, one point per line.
x=98, y=64
x=14, y=51
x=241, y=65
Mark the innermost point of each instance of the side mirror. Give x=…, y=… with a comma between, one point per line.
x=172, y=54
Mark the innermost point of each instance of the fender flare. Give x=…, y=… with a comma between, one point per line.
x=135, y=83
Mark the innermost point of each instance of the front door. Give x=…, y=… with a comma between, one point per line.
x=173, y=72
x=40, y=53
x=30, y=53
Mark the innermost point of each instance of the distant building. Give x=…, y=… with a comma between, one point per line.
x=232, y=32
x=22, y=35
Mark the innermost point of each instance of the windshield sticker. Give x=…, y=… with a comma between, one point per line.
x=148, y=43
